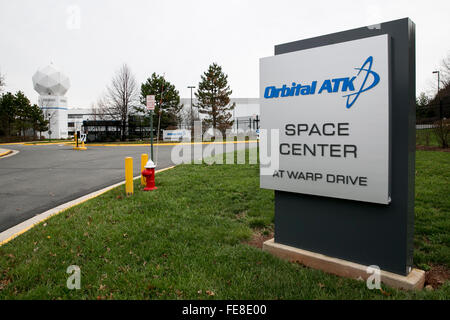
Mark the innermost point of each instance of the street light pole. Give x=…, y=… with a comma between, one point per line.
x=192, y=109
x=438, y=94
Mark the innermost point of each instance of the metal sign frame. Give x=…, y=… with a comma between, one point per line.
x=363, y=232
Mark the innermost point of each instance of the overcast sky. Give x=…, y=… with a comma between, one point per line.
x=181, y=38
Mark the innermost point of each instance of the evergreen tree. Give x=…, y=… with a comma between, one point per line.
x=17, y=114
x=167, y=100
x=422, y=100
x=23, y=110
x=213, y=95
x=37, y=119
x=8, y=112
x=423, y=109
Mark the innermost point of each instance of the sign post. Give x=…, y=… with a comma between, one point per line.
x=151, y=107
x=337, y=144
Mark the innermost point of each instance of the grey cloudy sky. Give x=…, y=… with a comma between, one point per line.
x=181, y=38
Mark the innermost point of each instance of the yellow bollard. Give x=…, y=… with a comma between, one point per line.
x=80, y=147
x=144, y=159
x=129, y=175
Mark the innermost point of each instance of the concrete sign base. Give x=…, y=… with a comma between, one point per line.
x=413, y=281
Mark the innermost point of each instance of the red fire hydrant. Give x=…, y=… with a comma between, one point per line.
x=149, y=174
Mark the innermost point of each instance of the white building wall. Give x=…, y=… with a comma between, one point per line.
x=245, y=107
x=76, y=116
x=55, y=111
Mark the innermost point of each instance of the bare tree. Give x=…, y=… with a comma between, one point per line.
x=2, y=81
x=49, y=116
x=444, y=84
x=102, y=111
x=121, y=97
x=445, y=71
x=97, y=109
x=186, y=117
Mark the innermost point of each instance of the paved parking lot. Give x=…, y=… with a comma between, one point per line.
x=40, y=177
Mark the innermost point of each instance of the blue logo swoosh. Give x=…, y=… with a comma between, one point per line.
x=367, y=67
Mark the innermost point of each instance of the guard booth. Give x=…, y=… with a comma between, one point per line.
x=102, y=130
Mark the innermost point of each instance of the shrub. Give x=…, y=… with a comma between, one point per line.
x=441, y=129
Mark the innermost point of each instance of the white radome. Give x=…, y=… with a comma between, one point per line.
x=52, y=85
x=50, y=81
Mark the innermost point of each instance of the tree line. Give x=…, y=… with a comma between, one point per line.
x=434, y=110
x=441, y=96
x=18, y=117
x=123, y=98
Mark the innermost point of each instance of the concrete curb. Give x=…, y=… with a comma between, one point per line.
x=32, y=143
x=23, y=227
x=135, y=144
x=10, y=143
x=5, y=153
x=8, y=153
x=167, y=144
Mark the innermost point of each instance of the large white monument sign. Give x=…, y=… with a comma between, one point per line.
x=331, y=107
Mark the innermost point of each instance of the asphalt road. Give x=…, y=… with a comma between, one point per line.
x=39, y=178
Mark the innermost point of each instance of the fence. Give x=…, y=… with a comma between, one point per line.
x=250, y=123
x=426, y=116
x=431, y=132
x=138, y=128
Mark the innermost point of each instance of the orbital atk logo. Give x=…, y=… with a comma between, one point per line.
x=346, y=85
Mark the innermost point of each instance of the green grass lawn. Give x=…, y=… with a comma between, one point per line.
x=432, y=209
x=46, y=141
x=187, y=241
